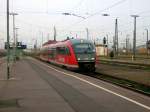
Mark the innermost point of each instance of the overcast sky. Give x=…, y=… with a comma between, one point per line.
x=38, y=17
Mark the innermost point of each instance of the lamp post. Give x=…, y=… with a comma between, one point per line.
x=147, y=40
x=116, y=37
x=134, y=36
x=16, y=29
x=14, y=34
x=106, y=34
x=127, y=44
x=16, y=41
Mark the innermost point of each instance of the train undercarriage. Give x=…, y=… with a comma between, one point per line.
x=87, y=66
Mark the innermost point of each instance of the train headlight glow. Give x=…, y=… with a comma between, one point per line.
x=92, y=58
x=81, y=41
x=79, y=59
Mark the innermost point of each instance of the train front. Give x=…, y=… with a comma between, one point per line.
x=85, y=54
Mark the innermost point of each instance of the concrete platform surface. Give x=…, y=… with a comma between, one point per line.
x=39, y=87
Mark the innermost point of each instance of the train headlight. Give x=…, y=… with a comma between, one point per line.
x=79, y=59
x=92, y=58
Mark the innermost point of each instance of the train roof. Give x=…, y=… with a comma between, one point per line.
x=65, y=42
x=50, y=42
x=76, y=41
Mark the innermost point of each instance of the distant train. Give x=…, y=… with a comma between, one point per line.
x=72, y=53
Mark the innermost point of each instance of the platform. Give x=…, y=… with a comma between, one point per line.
x=40, y=87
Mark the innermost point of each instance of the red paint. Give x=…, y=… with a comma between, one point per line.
x=61, y=59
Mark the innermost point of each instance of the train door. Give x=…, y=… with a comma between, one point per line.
x=60, y=55
x=52, y=54
x=67, y=55
x=63, y=55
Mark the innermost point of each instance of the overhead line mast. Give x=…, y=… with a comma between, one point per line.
x=8, y=45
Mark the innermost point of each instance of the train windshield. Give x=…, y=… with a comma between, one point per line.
x=84, y=48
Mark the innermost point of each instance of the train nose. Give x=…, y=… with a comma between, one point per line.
x=85, y=57
x=86, y=62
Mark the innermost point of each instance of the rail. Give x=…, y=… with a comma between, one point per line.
x=139, y=65
x=134, y=86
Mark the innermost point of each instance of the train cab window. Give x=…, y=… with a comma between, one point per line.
x=67, y=51
x=85, y=47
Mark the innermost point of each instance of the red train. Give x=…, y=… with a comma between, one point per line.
x=72, y=53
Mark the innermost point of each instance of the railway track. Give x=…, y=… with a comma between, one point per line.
x=127, y=64
x=134, y=86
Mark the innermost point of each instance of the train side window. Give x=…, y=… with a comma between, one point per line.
x=52, y=52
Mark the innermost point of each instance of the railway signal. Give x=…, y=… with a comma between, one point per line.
x=104, y=40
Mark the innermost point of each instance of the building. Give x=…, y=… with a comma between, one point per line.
x=101, y=50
